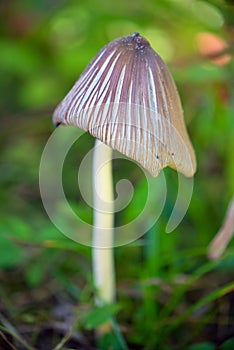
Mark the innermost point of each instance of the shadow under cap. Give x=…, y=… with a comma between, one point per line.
x=127, y=98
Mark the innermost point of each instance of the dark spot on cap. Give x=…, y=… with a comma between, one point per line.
x=138, y=41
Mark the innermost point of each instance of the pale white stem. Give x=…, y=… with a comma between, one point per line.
x=225, y=234
x=103, y=255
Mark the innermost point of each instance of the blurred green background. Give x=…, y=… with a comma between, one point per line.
x=170, y=295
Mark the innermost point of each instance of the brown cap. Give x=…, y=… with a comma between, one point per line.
x=127, y=98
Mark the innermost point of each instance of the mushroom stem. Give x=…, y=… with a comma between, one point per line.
x=103, y=257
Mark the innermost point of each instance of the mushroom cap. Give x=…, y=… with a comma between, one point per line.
x=127, y=98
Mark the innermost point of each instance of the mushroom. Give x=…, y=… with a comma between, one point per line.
x=127, y=99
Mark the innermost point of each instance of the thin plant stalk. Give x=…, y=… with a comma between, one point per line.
x=103, y=232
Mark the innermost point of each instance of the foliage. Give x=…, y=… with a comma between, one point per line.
x=171, y=296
